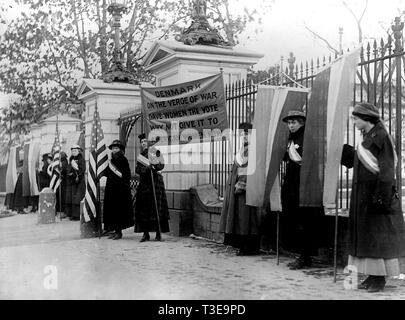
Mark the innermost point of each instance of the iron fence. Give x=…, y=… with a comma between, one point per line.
x=379, y=80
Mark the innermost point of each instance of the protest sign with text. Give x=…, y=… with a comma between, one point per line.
x=190, y=108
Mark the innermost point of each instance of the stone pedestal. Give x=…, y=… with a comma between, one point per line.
x=111, y=100
x=46, y=206
x=175, y=62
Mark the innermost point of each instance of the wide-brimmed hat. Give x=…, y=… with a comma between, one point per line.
x=366, y=109
x=116, y=143
x=76, y=146
x=294, y=114
x=142, y=136
x=46, y=156
x=245, y=126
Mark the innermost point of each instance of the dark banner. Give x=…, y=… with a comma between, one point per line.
x=190, y=109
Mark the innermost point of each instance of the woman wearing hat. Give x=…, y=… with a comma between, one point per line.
x=296, y=222
x=118, y=212
x=76, y=185
x=61, y=201
x=376, y=223
x=19, y=201
x=145, y=210
x=44, y=177
x=238, y=221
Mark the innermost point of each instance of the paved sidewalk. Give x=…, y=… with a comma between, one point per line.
x=177, y=268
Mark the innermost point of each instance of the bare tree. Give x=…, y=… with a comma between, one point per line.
x=319, y=37
x=358, y=22
x=358, y=19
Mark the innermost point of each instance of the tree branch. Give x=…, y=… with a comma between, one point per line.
x=316, y=35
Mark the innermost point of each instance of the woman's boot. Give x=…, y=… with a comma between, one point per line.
x=118, y=235
x=366, y=283
x=377, y=285
x=145, y=237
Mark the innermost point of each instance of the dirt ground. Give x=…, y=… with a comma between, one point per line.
x=52, y=262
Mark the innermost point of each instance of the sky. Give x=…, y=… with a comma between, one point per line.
x=283, y=28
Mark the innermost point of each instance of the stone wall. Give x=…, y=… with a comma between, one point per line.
x=181, y=218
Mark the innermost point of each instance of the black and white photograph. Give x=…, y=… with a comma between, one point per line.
x=202, y=151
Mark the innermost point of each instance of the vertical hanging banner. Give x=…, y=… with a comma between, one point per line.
x=186, y=109
x=272, y=104
x=11, y=174
x=31, y=160
x=328, y=111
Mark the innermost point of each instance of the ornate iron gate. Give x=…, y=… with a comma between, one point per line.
x=379, y=80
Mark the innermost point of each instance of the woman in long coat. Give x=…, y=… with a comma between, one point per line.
x=118, y=213
x=61, y=201
x=145, y=210
x=19, y=201
x=299, y=225
x=76, y=185
x=238, y=221
x=376, y=223
x=290, y=188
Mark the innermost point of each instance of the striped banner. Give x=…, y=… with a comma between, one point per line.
x=272, y=104
x=328, y=111
x=11, y=174
x=98, y=162
x=31, y=159
x=54, y=167
x=26, y=187
x=34, y=154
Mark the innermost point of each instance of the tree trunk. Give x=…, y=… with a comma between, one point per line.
x=82, y=47
x=102, y=24
x=128, y=48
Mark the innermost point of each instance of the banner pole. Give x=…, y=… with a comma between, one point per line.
x=60, y=169
x=98, y=206
x=60, y=196
x=156, y=207
x=98, y=209
x=336, y=235
x=278, y=238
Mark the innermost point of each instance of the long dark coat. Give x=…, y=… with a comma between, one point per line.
x=291, y=219
x=118, y=211
x=301, y=227
x=43, y=177
x=145, y=212
x=290, y=189
x=76, y=185
x=376, y=223
x=19, y=202
x=237, y=218
x=63, y=186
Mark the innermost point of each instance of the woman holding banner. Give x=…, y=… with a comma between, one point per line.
x=240, y=222
x=297, y=232
x=151, y=209
x=376, y=223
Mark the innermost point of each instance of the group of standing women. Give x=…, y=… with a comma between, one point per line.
x=376, y=223
x=151, y=210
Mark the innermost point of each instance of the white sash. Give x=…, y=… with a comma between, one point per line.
x=114, y=169
x=367, y=159
x=143, y=160
x=293, y=153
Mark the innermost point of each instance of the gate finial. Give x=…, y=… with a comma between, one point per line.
x=397, y=28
